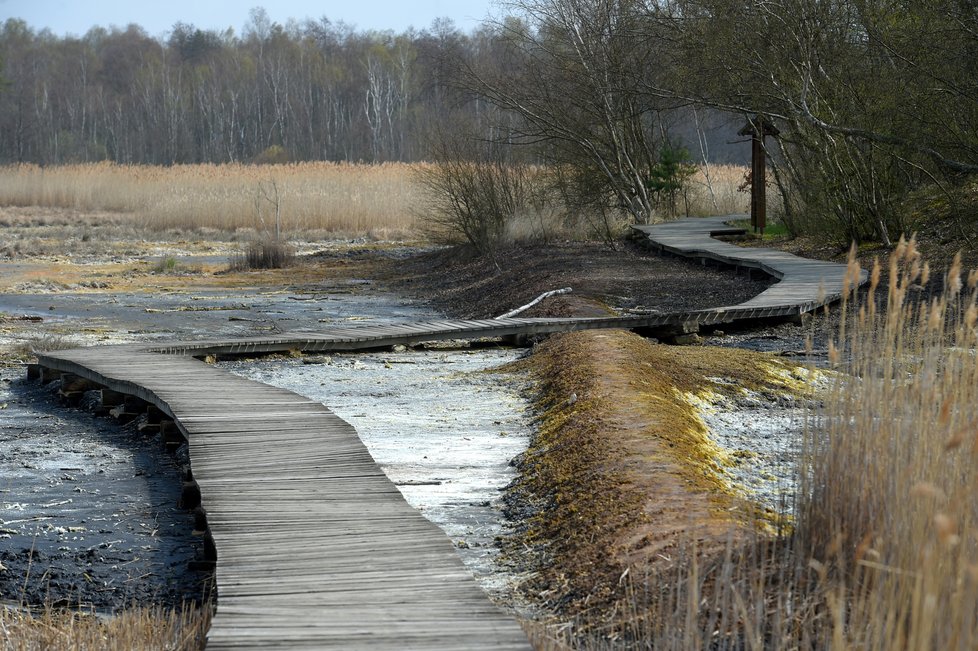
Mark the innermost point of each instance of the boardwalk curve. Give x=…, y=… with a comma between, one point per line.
x=803, y=285
x=315, y=547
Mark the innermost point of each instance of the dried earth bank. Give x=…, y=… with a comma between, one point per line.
x=624, y=472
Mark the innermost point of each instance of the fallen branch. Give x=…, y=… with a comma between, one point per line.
x=565, y=290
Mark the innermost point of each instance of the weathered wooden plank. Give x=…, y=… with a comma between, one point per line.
x=807, y=284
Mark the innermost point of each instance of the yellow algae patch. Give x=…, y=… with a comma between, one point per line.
x=701, y=403
x=676, y=384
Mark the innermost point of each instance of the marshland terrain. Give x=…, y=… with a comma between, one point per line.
x=782, y=486
x=712, y=464
x=73, y=278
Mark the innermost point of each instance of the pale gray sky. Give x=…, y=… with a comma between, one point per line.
x=158, y=16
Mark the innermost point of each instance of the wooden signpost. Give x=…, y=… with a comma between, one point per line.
x=758, y=128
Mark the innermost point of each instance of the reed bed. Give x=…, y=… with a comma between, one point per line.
x=888, y=520
x=313, y=198
x=143, y=629
x=884, y=553
x=336, y=198
x=715, y=190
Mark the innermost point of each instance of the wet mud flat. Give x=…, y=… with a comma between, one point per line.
x=123, y=317
x=89, y=510
x=762, y=438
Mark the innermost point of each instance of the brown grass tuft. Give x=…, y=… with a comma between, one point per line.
x=142, y=629
x=265, y=253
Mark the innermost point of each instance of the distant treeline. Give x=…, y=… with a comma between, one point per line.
x=315, y=90
x=309, y=91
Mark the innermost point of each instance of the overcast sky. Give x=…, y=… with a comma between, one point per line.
x=158, y=16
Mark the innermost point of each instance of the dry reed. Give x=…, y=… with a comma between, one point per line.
x=264, y=253
x=143, y=629
x=714, y=190
x=883, y=554
x=888, y=518
x=313, y=198
x=330, y=197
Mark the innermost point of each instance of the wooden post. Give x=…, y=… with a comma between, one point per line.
x=758, y=198
x=758, y=129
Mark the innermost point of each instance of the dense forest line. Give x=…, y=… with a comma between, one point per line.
x=309, y=91
x=872, y=98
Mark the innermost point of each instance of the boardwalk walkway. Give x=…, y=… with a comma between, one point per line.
x=803, y=285
x=315, y=547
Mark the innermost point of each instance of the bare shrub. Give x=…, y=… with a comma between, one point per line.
x=476, y=190
x=473, y=201
x=265, y=253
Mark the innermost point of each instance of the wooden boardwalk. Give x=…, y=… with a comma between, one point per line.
x=315, y=547
x=803, y=285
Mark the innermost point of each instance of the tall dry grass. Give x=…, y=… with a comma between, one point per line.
x=329, y=197
x=713, y=190
x=312, y=198
x=145, y=629
x=888, y=515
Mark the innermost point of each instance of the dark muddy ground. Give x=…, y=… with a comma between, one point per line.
x=603, y=280
x=114, y=317
x=88, y=509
